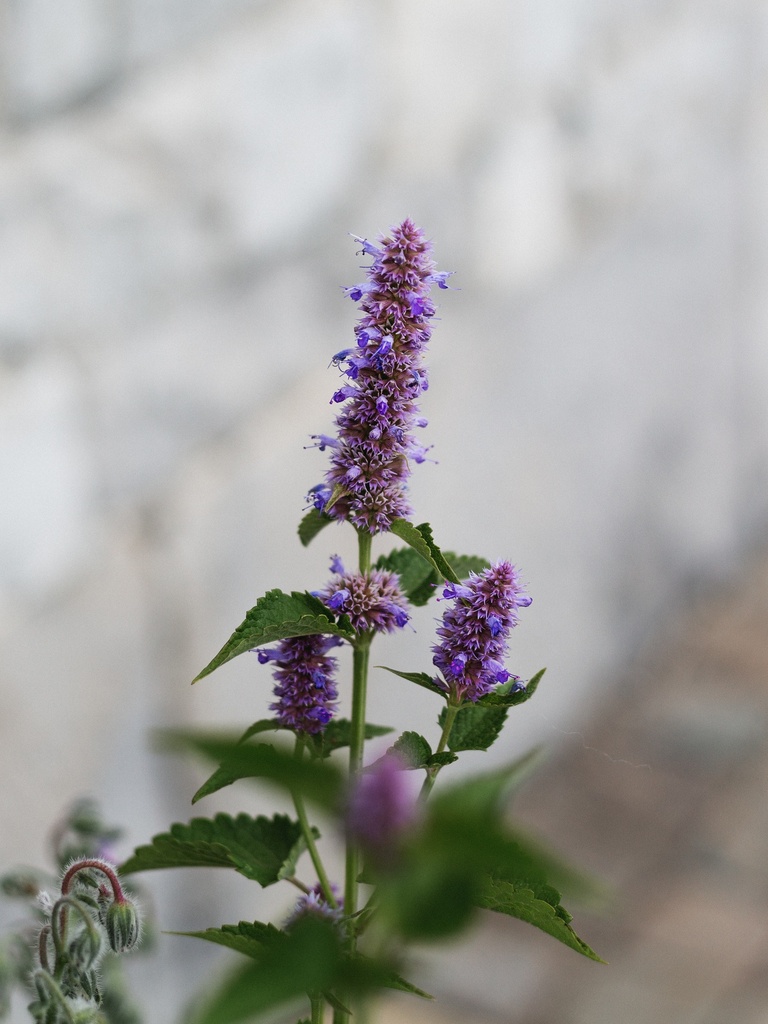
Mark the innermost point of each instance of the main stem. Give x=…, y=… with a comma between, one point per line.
x=360, y=661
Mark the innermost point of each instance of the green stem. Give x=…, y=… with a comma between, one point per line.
x=318, y=1006
x=360, y=662
x=450, y=717
x=309, y=839
x=357, y=742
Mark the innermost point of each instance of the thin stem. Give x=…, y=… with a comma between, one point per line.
x=99, y=865
x=450, y=717
x=309, y=839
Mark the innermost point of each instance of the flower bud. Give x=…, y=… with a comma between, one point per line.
x=123, y=926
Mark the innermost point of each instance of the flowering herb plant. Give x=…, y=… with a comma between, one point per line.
x=418, y=863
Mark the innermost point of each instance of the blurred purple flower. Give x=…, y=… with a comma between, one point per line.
x=381, y=810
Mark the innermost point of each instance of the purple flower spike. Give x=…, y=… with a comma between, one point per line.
x=373, y=601
x=304, y=687
x=386, y=376
x=475, y=631
x=381, y=810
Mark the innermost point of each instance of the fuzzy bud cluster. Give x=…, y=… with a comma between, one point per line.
x=91, y=916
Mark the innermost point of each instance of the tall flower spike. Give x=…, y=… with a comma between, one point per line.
x=371, y=457
x=475, y=631
x=372, y=601
x=305, y=689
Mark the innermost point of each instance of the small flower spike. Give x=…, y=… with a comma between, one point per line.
x=305, y=689
x=314, y=904
x=372, y=601
x=372, y=455
x=475, y=629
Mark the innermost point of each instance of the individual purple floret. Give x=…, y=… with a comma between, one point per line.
x=381, y=809
x=372, y=601
x=475, y=631
x=314, y=904
x=305, y=688
x=373, y=451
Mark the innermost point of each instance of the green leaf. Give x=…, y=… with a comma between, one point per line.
x=475, y=727
x=520, y=901
x=263, y=849
x=484, y=795
x=505, y=697
x=222, y=778
x=312, y=523
x=420, y=579
x=319, y=781
x=251, y=938
x=420, y=539
x=306, y=959
x=274, y=617
x=420, y=678
x=412, y=749
x=338, y=734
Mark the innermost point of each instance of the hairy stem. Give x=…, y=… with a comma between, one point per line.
x=309, y=839
x=450, y=717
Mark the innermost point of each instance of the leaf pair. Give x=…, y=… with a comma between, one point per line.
x=309, y=958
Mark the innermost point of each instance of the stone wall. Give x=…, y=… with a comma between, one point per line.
x=177, y=180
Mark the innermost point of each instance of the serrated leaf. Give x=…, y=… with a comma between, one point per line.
x=306, y=959
x=475, y=726
x=221, y=778
x=338, y=734
x=442, y=759
x=506, y=697
x=520, y=901
x=412, y=749
x=420, y=678
x=262, y=849
x=421, y=540
x=274, y=617
x=251, y=938
x=319, y=781
x=418, y=577
x=312, y=523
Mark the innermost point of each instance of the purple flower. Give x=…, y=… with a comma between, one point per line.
x=314, y=904
x=381, y=809
x=372, y=601
x=304, y=687
x=370, y=462
x=475, y=631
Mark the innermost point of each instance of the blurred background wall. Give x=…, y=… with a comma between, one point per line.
x=177, y=180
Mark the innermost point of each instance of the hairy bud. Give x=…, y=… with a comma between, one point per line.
x=123, y=926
